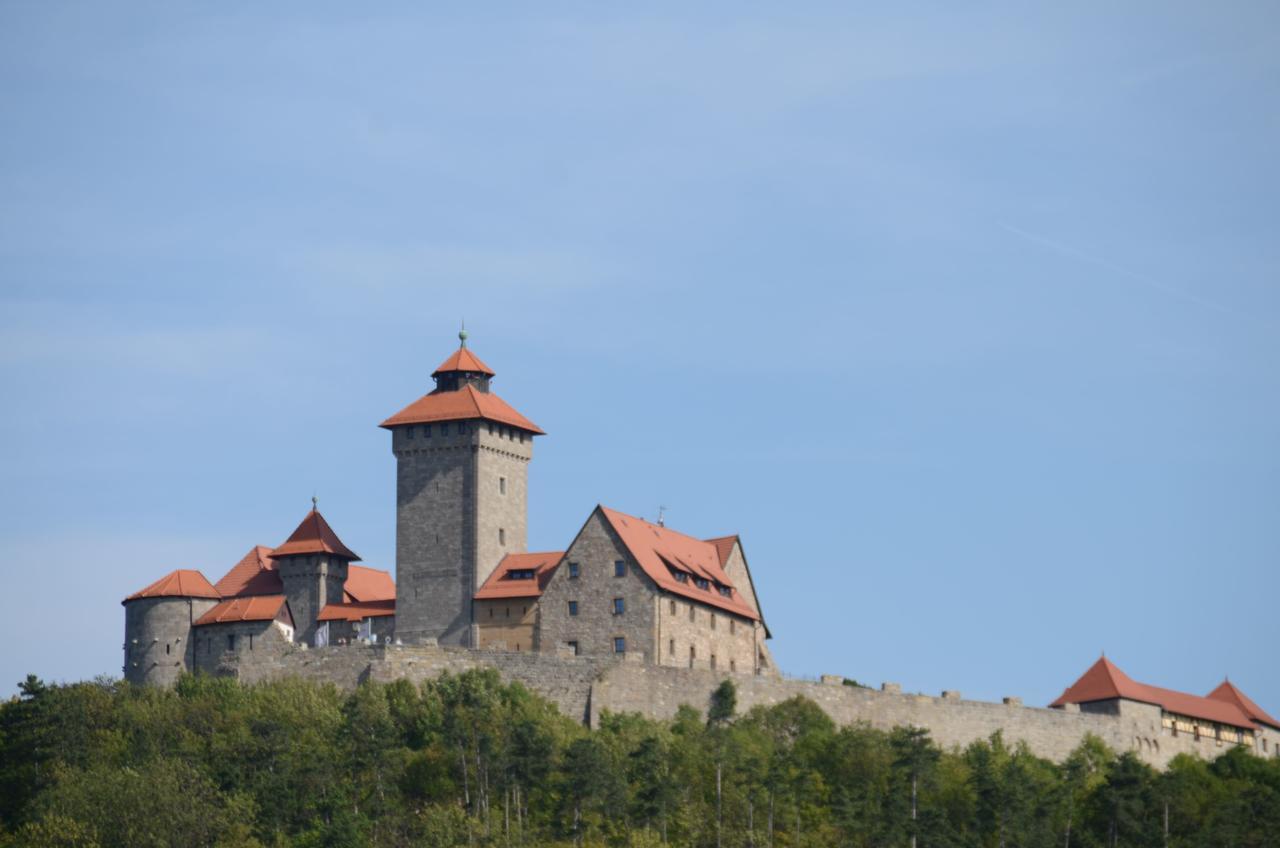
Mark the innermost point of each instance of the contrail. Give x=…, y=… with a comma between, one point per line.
x=1111, y=266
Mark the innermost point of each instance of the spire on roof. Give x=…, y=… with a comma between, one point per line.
x=314, y=536
x=462, y=334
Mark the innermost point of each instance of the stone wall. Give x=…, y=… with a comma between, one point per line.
x=220, y=647
x=507, y=624
x=693, y=635
x=595, y=550
x=158, y=645
x=311, y=581
x=450, y=508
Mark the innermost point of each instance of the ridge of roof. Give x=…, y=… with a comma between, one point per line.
x=463, y=359
x=355, y=611
x=314, y=536
x=461, y=404
x=1229, y=693
x=1104, y=681
x=724, y=546
x=658, y=549
x=179, y=583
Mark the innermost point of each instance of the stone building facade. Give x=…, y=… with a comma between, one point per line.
x=631, y=616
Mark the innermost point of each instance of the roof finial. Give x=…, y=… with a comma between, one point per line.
x=462, y=334
x=661, y=510
x=315, y=504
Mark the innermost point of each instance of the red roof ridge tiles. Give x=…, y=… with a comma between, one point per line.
x=357, y=611
x=463, y=359
x=314, y=536
x=463, y=404
x=1228, y=693
x=250, y=608
x=1104, y=681
x=498, y=584
x=180, y=583
x=664, y=549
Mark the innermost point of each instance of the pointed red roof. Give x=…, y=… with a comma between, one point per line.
x=1227, y=691
x=500, y=585
x=254, y=574
x=254, y=608
x=465, y=403
x=183, y=583
x=463, y=360
x=314, y=536
x=662, y=552
x=1105, y=681
x=724, y=547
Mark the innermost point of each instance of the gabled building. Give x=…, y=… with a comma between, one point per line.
x=1224, y=717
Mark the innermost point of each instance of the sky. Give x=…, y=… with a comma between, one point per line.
x=965, y=316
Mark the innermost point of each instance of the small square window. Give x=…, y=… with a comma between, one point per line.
x=573, y=646
x=619, y=606
x=573, y=608
x=573, y=571
x=619, y=645
x=619, y=568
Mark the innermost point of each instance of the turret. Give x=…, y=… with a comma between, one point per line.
x=157, y=627
x=312, y=564
x=462, y=456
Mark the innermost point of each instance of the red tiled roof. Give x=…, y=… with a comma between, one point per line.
x=1227, y=691
x=368, y=585
x=1104, y=681
x=255, y=574
x=723, y=546
x=499, y=585
x=357, y=611
x=314, y=536
x=463, y=360
x=659, y=549
x=183, y=583
x=465, y=403
x=252, y=608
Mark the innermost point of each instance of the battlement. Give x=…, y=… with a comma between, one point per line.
x=583, y=687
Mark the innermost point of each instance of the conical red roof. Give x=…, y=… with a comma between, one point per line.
x=463, y=360
x=314, y=536
x=1227, y=691
x=183, y=583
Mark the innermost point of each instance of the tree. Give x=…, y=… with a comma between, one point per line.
x=915, y=755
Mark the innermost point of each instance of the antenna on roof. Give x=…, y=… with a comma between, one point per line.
x=661, y=510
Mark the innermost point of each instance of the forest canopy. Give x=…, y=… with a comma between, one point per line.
x=469, y=760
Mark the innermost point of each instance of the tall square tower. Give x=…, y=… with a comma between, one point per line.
x=462, y=456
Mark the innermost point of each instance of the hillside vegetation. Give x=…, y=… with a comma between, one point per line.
x=467, y=760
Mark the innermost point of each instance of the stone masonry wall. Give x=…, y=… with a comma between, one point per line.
x=585, y=686
x=502, y=454
x=158, y=645
x=719, y=640
x=258, y=641
x=594, y=628
x=509, y=624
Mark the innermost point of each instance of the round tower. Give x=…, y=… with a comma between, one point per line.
x=157, y=627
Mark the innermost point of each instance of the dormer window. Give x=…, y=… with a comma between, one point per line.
x=520, y=574
x=725, y=591
x=702, y=583
x=681, y=577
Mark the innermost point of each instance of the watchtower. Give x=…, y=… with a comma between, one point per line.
x=462, y=456
x=313, y=568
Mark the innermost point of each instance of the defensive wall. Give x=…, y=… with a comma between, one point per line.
x=583, y=687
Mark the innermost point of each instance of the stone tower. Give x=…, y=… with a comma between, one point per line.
x=312, y=565
x=462, y=456
x=157, y=627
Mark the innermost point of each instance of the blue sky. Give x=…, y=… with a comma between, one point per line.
x=966, y=316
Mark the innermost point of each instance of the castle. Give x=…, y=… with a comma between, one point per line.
x=632, y=615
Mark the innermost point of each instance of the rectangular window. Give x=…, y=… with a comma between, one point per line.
x=671, y=648
x=619, y=606
x=231, y=641
x=673, y=607
x=732, y=625
x=619, y=645
x=444, y=429
x=693, y=613
x=619, y=568
x=713, y=662
x=502, y=485
x=693, y=655
x=573, y=608
x=573, y=571
x=490, y=428
x=713, y=621
x=426, y=431
x=508, y=612
x=502, y=536
x=702, y=582
x=409, y=431
x=733, y=666
x=573, y=646
x=681, y=577
x=251, y=641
